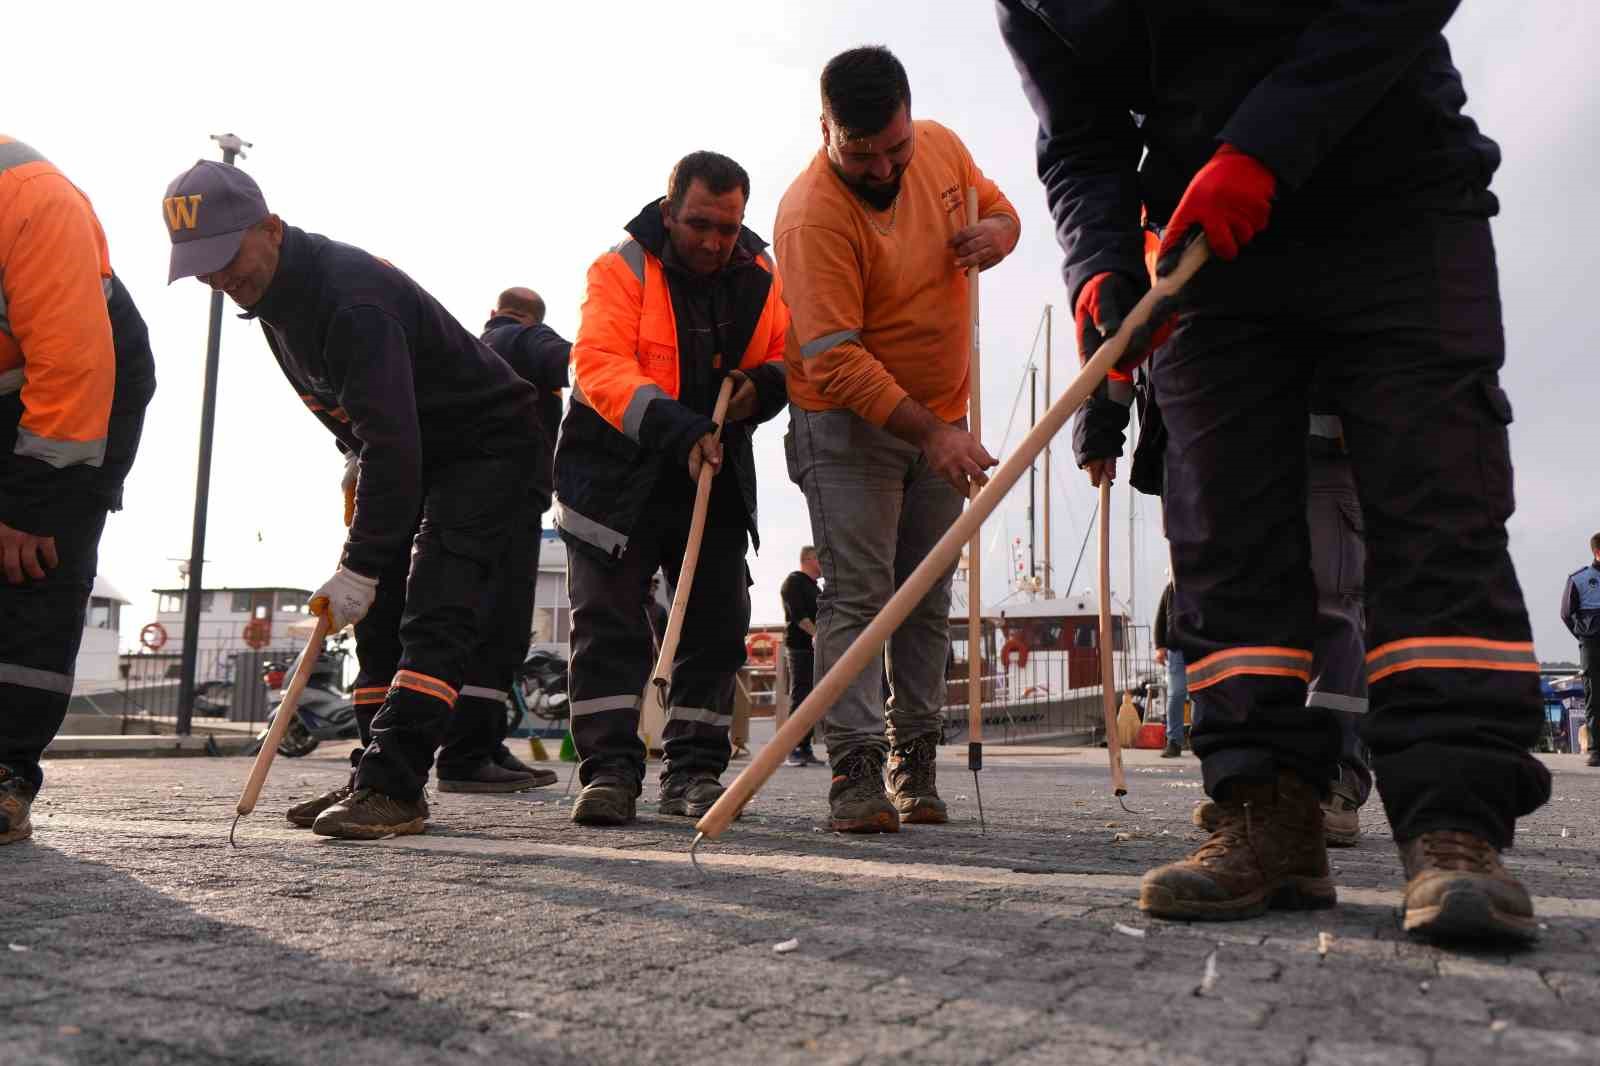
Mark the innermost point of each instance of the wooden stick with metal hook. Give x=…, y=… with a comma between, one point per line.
x=662, y=675
x=975, y=545
x=1141, y=321
x=1108, y=681
x=280, y=722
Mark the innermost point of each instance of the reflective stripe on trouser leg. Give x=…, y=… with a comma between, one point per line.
x=611, y=651
x=1256, y=662
x=41, y=628
x=464, y=526
x=476, y=731
x=1450, y=653
x=1413, y=352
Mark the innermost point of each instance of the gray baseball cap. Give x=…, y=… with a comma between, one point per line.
x=207, y=210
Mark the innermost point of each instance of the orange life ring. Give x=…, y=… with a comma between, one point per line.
x=1014, y=645
x=153, y=636
x=257, y=633
x=762, y=649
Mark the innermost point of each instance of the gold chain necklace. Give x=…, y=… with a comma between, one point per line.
x=894, y=211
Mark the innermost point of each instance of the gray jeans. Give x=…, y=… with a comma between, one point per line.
x=876, y=512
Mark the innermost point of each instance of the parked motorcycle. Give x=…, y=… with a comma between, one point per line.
x=540, y=692
x=326, y=711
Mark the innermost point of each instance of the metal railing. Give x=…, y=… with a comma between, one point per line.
x=229, y=693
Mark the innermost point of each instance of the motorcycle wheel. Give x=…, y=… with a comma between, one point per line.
x=297, y=740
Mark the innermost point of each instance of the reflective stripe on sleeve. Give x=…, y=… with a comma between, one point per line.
x=60, y=453
x=1335, y=702
x=830, y=340
x=634, y=415
x=632, y=253
x=1328, y=427
x=369, y=696
x=1262, y=662
x=589, y=531
x=1450, y=653
x=478, y=692
x=15, y=154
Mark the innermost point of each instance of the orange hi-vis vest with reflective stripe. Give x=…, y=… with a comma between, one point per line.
x=56, y=347
x=628, y=313
x=626, y=422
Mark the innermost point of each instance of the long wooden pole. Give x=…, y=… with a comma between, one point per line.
x=1155, y=305
x=662, y=675
x=1049, y=574
x=1108, y=680
x=280, y=720
x=975, y=545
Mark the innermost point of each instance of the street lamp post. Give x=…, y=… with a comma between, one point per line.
x=232, y=148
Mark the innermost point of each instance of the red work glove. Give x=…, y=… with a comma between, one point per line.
x=1230, y=199
x=1102, y=305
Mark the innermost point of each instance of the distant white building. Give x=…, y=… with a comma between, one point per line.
x=224, y=613
x=552, y=611
x=97, y=656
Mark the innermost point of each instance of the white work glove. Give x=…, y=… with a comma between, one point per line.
x=344, y=599
x=352, y=463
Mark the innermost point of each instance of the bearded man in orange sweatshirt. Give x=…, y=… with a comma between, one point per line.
x=874, y=247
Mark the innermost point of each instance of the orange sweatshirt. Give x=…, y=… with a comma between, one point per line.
x=879, y=308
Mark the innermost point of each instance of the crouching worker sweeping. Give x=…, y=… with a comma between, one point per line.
x=687, y=299
x=445, y=435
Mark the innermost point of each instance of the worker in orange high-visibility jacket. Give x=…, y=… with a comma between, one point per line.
x=75, y=376
x=688, y=299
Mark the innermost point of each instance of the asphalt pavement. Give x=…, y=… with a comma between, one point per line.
x=131, y=933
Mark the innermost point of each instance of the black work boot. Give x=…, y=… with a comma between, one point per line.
x=490, y=776
x=1173, y=750
x=504, y=759
x=304, y=815
x=1267, y=851
x=689, y=793
x=912, y=772
x=16, y=800
x=368, y=814
x=1594, y=757
x=857, y=802
x=608, y=798
x=1457, y=889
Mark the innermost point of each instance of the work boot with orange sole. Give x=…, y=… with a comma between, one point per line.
x=857, y=802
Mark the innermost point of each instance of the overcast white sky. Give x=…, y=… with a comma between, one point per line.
x=483, y=145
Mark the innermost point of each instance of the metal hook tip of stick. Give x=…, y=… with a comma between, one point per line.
x=231, y=829
x=983, y=826
x=693, y=859
x=1123, y=804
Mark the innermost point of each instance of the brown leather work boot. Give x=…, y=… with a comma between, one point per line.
x=1267, y=851
x=912, y=777
x=16, y=800
x=368, y=814
x=304, y=814
x=1457, y=889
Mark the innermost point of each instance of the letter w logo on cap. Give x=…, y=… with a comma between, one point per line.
x=183, y=212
